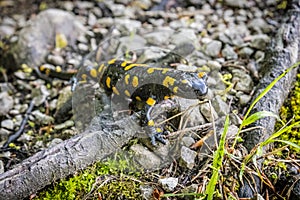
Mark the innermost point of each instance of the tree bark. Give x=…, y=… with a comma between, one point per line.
x=283, y=52
x=63, y=159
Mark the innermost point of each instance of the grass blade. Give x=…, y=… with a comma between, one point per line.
x=217, y=162
x=258, y=115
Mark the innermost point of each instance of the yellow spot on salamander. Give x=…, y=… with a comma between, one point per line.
x=47, y=71
x=108, y=82
x=127, y=93
x=115, y=90
x=150, y=101
x=151, y=123
x=58, y=69
x=135, y=81
x=128, y=67
x=159, y=130
x=150, y=70
x=83, y=78
x=168, y=81
x=42, y=68
x=124, y=63
x=127, y=76
x=112, y=61
x=166, y=97
x=93, y=73
x=175, y=89
x=138, y=98
x=101, y=67
x=165, y=71
x=184, y=81
x=201, y=74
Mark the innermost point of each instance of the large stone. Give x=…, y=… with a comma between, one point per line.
x=36, y=40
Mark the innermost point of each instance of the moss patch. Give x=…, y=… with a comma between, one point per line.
x=113, y=179
x=291, y=112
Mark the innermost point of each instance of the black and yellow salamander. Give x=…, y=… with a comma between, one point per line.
x=139, y=87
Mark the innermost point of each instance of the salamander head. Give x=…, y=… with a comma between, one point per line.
x=199, y=85
x=193, y=85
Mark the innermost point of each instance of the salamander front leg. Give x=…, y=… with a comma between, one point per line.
x=152, y=132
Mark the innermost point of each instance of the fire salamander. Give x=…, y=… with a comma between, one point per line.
x=145, y=86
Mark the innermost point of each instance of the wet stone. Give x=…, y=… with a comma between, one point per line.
x=168, y=184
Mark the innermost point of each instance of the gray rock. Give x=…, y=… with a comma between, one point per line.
x=192, y=117
x=243, y=81
x=42, y=118
x=260, y=41
x=1, y=167
x=127, y=26
x=237, y=4
x=37, y=38
x=55, y=59
x=259, y=56
x=244, y=99
x=213, y=48
x=158, y=38
x=221, y=107
x=229, y=53
x=259, y=25
x=187, y=141
x=25, y=138
x=168, y=184
x=83, y=47
x=4, y=133
x=185, y=36
x=8, y=124
x=92, y=19
x=130, y=43
x=146, y=191
x=214, y=65
x=6, y=103
x=246, y=52
x=7, y=30
x=208, y=112
x=187, y=157
x=40, y=94
x=146, y=158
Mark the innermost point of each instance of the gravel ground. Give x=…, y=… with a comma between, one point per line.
x=229, y=39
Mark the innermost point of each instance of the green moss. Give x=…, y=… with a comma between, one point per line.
x=291, y=112
x=111, y=179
